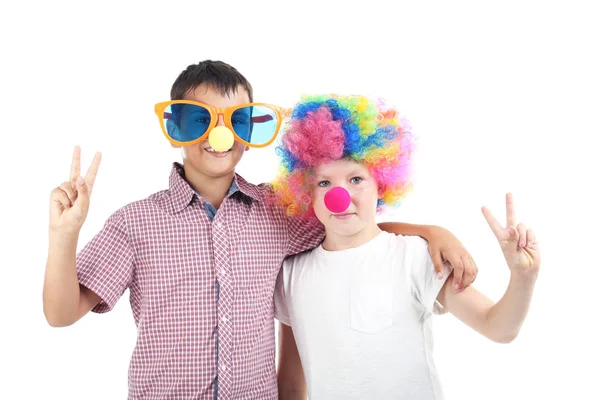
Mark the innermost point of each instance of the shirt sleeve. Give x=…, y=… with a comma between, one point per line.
x=105, y=264
x=425, y=283
x=303, y=235
x=281, y=308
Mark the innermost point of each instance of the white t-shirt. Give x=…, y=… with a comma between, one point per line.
x=362, y=319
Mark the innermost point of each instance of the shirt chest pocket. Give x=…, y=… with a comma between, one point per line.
x=371, y=306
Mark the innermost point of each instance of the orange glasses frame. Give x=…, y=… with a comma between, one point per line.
x=160, y=108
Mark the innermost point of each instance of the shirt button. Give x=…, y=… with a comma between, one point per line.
x=224, y=319
x=223, y=272
x=219, y=225
x=223, y=368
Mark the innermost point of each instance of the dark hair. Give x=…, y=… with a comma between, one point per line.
x=217, y=74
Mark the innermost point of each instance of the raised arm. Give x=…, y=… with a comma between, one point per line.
x=502, y=321
x=65, y=301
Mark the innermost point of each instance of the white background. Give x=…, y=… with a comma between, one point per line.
x=504, y=97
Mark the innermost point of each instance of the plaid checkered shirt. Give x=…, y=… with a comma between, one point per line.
x=170, y=255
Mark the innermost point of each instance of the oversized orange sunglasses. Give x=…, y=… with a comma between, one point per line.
x=187, y=122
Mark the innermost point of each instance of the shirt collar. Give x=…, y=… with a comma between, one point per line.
x=182, y=193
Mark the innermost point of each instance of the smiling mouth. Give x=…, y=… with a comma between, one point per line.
x=343, y=215
x=216, y=153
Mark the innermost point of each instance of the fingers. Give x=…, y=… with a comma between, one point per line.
x=470, y=272
x=69, y=189
x=513, y=236
x=75, y=165
x=522, y=230
x=60, y=196
x=90, y=176
x=92, y=172
x=492, y=222
x=474, y=264
x=459, y=270
x=511, y=219
x=531, y=240
x=438, y=263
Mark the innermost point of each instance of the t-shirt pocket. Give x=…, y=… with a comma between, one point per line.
x=371, y=306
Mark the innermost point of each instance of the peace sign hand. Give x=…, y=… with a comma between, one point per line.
x=519, y=245
x=69, y=203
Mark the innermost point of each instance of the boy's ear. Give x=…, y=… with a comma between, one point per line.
x=380, y=193
x=173, y=131
x=247, y=148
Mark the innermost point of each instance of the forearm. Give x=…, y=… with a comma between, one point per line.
x=290, y=377
x=290, y=374
x=289, y=392
x=61, y=288
x=402, y=228
x=505, y=318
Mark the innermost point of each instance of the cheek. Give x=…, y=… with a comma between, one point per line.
x=366, y=199
x=321, y=212
x=319, y=206
x=238, y=148
x=194, y=148
x=317, y=203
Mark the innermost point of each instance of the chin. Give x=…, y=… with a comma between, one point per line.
x=213, y=171
x=344, y=231
x=216, y=168
x=218, y=172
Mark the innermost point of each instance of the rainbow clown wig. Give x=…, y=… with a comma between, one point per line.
x=330, y=127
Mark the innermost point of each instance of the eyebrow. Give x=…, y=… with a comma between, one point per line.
x=353, y=172
x=357, y=172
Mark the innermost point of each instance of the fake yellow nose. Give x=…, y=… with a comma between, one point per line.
x=220, y=138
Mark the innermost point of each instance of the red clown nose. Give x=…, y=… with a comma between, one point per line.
x=337, y=199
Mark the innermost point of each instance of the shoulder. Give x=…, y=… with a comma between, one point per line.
x=410, y=249
x=158, y=201
x=408, y=243
x=299, y=261
x=140, y=212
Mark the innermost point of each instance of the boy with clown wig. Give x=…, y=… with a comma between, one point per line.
x=356, y=311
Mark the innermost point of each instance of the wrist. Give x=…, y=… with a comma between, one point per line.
x=524, y=276
x=61, y=235
x=429, y=232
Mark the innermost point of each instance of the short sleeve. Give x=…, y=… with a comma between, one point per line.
x=281, y=308
x=425, y=283
x=303, y=234
x=105, y=264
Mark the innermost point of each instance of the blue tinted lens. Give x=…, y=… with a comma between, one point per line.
x=254, y=124
x=186, y=122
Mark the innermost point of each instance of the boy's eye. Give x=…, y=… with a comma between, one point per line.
x=239, y=121
x=323, y=183
x=356, y=179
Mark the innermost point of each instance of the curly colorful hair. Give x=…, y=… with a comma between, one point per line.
x=326, y=128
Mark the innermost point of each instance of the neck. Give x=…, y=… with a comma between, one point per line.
x=211, y=189
x=336, y=242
